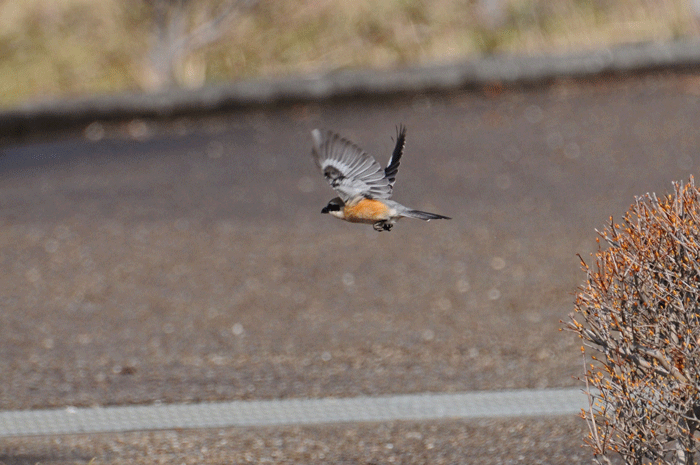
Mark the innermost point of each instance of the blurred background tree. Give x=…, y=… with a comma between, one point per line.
x=177, y=30
x=64, y=48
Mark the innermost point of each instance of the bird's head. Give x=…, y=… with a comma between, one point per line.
x=335, y=205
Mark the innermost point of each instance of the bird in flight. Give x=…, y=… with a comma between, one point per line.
x=363, y=187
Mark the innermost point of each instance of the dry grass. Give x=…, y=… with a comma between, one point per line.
x=55, y=48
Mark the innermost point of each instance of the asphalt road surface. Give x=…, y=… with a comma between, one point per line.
x=188, y=261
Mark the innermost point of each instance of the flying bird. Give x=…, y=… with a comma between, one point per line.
x=363, y=187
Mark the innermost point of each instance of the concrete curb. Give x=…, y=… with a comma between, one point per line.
x=486, y=404
x=504, y=70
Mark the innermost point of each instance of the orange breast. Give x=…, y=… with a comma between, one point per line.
x=366, y=211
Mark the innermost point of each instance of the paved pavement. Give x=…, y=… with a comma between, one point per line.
x=484, y=404
x=187, y=261
x=504, y=441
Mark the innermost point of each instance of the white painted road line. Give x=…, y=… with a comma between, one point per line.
x=486, y=404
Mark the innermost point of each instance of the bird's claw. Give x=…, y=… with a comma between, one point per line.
x=382, y=226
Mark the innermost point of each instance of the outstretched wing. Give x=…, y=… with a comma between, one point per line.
x=393, y=166
x=349, y=169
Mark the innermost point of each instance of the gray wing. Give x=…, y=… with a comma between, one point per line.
x=349, y=169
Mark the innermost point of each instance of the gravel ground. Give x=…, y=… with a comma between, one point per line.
x=506, y=441
x=188, y=260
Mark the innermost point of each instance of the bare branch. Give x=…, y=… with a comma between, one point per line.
x=639, y=313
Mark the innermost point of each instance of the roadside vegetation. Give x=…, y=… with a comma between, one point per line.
x=638, y=317
x=66, y=48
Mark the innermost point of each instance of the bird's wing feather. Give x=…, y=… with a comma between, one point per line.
x=348, y=169
x=393, y=166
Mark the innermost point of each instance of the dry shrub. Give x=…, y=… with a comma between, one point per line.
x=638, y=315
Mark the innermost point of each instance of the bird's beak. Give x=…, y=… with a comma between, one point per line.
x=324, y=210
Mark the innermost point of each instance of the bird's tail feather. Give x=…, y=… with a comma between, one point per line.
x=425, y=216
